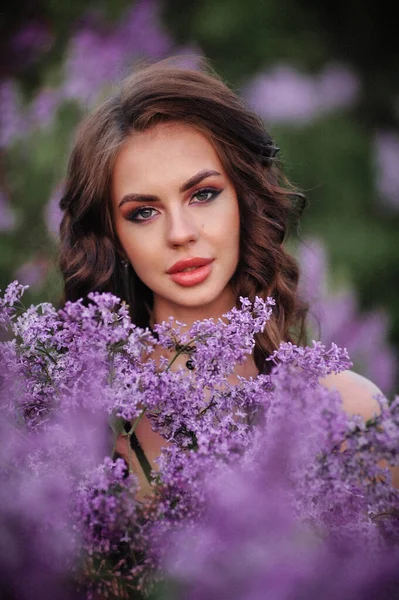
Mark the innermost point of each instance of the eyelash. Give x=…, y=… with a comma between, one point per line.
x=214, y=193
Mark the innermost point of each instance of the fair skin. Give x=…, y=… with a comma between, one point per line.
x=190, y=209
x=172, y=200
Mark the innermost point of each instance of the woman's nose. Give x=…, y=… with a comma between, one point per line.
x=181, y=228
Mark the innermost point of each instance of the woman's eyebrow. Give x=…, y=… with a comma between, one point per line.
x=138, y=198
x=197, y=179
x=186, y=186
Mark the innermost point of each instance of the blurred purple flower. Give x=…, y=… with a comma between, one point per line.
x=285, y=94
x=12, y=119
x=43, y=108
x=142, y=31
x=93, y=60
x=53, y=212
x=338, y=87
x=33, y=272
x=386, y=145
x=39, y=545
x=335, y=317
x=250, y=507
x=7, y=217
x=249, y=543
x=31, y=41
x=97, y=57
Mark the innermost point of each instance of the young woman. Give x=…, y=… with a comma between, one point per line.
x=175, y=202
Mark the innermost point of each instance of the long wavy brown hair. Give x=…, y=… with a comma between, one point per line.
x=90, y=253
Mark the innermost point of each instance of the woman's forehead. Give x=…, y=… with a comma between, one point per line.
x=167, y=152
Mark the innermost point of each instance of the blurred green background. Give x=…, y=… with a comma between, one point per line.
x=322, y=75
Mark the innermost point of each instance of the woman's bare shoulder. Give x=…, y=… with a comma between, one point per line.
x=357, y=392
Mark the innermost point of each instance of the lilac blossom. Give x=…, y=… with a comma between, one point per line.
x=286, y=95
x=39, y=546
x=386, y=147
x=143, y=31
x=249, y=542
x=12, y=296
x=98, y=54
x=335, y=316
x=43, y=108
x=338, y=87
x=33, y=273
x=96, y=57
x=248, y=503
x=112, y=525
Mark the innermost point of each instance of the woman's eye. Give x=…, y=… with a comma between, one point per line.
x=142, y=214
x=206, y=195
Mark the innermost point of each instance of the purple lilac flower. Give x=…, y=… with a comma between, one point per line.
x=336, y=317
x=97, y=58
x=142, y=31
x=386, y=147
x=12, y=295
x=39, y=546
x=105, y=506
x=338, y=87
x=93, y=60
x=250, y=545
x=285, y=94
x=248, y=502
x=249, y=541
x=44, y=456
x=43, y=108
x=33, y=273
x=219, y=346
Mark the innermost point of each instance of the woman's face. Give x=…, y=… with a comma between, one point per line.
x=173, y=202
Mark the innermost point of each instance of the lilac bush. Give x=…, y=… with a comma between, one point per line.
x=252, y=473
x=284, y=94
x=297, y=517
x=97, y=55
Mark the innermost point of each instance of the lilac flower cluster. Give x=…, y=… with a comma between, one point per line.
x=286, y=95
x=252, y=473
x=296, y=517
x=106, y=513
x=96, y=56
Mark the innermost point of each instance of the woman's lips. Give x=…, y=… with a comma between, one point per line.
x=194, y=276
